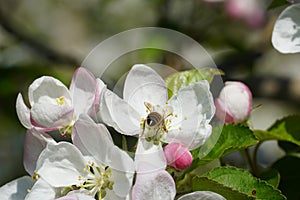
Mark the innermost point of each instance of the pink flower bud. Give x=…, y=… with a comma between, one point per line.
x=234, y=104
x=178, y=156
x=248, y=10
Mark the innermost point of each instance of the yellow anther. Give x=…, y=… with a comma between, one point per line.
x=60, y=100
x=158, y=105
x=79, y=178
x=28, y=190
x=180, y=128
x=176, y=115
x=35, y=176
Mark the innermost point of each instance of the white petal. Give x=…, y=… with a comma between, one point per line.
x=202, y=195
x=35, y=142
x=77, y=195
x=16, y=189
x=93, y=140
x=122, y=171
x=83, y=90
x=48, y=86
x=47, y=113
x=285, y=37
x=149, y=157
x=158, y=185
x=42, y=190
x=23, y=112
x=111, y=195
x=119, y=114
x=143, y=84
x=193, y=109
x=61, y=165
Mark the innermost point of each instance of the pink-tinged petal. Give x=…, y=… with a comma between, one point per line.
x=149, y=157
x=143, y=84
x=178, y=156
x=93, y=140
x=158, y=185
x=35, y=143
x=42, y=190
x=117, y=113
x=50, y=87
x=23, y=112
x=83, y=89
x=204, y=195
x=16, y=189
x=237, y=101
x=46, y=113
x=122, y=171
x=222, y=113
x=61, y=164
x=100, y=86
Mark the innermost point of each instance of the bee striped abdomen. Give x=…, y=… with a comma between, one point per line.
x=153, y=119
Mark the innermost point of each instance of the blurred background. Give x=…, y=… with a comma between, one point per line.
x=52, y=37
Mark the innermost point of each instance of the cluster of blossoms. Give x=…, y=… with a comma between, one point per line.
x=91, y=166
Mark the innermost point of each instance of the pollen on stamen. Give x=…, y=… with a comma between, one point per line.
x=176, y=115
x=60, y=100
x=35, y=176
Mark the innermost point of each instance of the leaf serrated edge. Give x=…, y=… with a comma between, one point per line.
x=248, y=173
x=217, y=183
x=278, y=121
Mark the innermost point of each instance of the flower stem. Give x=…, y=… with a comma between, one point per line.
x=124, y=143
x=250, y=163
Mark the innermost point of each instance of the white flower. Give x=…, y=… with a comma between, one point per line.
x=93, y=163
x=158, y=185
x=203, y=195
x=53, y=106
x=234, y=104
x=146, y=110
x=26, y=188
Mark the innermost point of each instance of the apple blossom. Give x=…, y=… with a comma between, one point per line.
x=234, y=104
x=203, y=195
x=158, y=185
x=92, y=163
x=53, y=106
x=248, y=10
x=178, y=156
x=146, y=111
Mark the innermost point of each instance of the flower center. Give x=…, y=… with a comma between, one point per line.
x=97, y=180
x=60, y=100
x=154, y=126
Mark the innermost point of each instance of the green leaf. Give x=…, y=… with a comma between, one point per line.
x=272, y=176
x=289, y=169
x=286, y=129
x=185, y=78
x=233, y=138
x=185, y=184
x=236, y=184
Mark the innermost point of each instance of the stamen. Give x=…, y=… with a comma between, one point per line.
x=60, y=100
x=98, y=180
x=35, y=176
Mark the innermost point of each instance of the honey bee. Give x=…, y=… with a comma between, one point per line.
x=154, y=124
